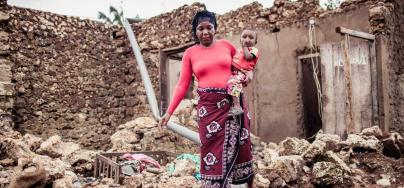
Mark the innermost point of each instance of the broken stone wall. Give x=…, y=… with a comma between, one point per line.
x=78, y=78
x=72, y=77
x=396, y=47
x=6, y=87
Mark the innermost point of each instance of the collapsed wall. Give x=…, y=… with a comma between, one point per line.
x=71, y=77
x=78, y=78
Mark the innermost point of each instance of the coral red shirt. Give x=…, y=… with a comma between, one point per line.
x=210, y=65
x=241, y=63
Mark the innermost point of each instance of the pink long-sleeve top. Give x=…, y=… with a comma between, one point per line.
x=211, y=66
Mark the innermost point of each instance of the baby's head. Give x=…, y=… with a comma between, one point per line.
x=248, y=38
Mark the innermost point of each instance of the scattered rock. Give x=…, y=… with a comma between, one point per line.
x=54, y=147
x=293, y=146
x=393, y=146
x=384, y=181
x=184, y=167
x=82, y=161
x=327, y=174
x=55, y=168
x=33, y=142
x=361, y=143
x=373, y=131
x=315, y=150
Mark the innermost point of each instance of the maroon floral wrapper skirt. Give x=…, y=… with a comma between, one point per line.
x=226, y=152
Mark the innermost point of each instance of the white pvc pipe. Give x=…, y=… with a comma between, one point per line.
x=151, y=96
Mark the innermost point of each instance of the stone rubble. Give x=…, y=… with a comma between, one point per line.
x=102, y=90
x=356, y=161
x=327, y=161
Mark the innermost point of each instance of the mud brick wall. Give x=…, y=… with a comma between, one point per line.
x=397, y=67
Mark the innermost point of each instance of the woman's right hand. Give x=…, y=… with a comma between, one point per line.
x=164, y=120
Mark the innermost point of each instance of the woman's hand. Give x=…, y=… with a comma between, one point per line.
x=164, y=120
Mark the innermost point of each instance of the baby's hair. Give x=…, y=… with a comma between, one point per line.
x=253, y=30
x=200, y=15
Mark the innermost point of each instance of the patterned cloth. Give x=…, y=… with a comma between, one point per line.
x=235, y=83
x=226, y=151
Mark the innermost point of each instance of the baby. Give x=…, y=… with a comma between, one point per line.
x=244, y=62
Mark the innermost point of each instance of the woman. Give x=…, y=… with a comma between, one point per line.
x=226, y=156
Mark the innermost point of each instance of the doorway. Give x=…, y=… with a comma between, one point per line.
x=310, y=86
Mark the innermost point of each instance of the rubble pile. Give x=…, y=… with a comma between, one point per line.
x=66, y=162
x=363, y=160
x=370, y=158
x=61, y=161
x=142, y=134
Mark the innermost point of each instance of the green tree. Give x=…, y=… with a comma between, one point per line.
x=115, y=16
x=332, y=4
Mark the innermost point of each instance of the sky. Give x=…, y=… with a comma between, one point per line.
x=131, y=8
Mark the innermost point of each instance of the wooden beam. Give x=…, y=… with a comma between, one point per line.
x=175, y=57
x=383, y=82
x=306, y=56
x=163, y=82
x=374, y=84
x=353, y=33
x=178, y=48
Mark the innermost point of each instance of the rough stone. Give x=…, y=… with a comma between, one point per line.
x=54, y=147
x=373, y=131
x=184, y=167
x=316, y=149
x=363, y=143
x=293, y=146
x=4, y=16
x=55, y=168
x=393, y=146
x=82, y=161
x=32, y=141
x=384, y=181
x=327, y=174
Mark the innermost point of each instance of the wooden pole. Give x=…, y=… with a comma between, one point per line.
x=348, y=84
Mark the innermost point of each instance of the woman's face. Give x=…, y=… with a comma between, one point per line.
x=205, y=31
